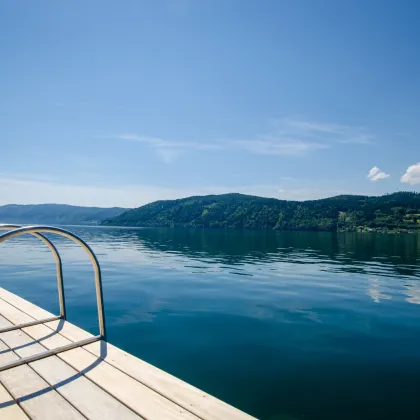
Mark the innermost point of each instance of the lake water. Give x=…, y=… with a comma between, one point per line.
x=284, y=326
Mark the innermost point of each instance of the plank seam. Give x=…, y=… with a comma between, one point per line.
x=11, y=395
x=36, y=373
x=30, y=367
x=68, y=364
x=115, y=367
x=181, y=405
x=4, y=385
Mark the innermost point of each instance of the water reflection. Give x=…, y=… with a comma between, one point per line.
x=376, y=290
x=298, y=324
x=413, y=291
x=246, y=253
x=351, y=252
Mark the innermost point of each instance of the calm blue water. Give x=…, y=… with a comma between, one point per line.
x=289, y=326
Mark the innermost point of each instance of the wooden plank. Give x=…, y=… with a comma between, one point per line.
x=199, y=402
x=138, y=397
x=36, y=397
x=31, y=392
x=20, y=344
x=13, y=314
x=6, y=355
x=9, y=410
x=24, y=305
x=69, y=330
x=88, y=398
x=185, y=395
x=135, y=395
x=191, y=398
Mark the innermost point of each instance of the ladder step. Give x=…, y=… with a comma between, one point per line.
x=29, y=324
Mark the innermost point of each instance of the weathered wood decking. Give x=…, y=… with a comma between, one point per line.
x=97, y=381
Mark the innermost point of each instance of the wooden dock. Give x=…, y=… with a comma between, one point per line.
x=97, y=381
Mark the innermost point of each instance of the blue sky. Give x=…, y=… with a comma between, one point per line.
x=126, y=102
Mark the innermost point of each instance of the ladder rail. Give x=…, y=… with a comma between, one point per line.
x=94, y=260
x=58, y=265
x=36, y=231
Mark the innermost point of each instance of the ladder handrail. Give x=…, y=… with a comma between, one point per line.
x=96, y=267
x=58, y=264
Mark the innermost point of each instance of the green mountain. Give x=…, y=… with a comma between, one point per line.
x=56, y=214
x=399, y=211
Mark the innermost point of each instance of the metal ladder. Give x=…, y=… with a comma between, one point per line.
x=37, y=231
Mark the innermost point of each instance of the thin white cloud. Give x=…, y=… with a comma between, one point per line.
x=412, y=175
x=264, y=145
x=296, y=137
x=310, y=126
x=168, y=155
x=279, y=146
x=375, y=174
x=328, y=132
x=173, y=144
x=361, y=138
x=169, y=150
x=289, y=137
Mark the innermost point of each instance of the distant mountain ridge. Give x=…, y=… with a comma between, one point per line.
x=56, y=214
x=397, y=211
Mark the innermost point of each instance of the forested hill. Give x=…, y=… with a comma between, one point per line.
x=56, y=214
x=399, y=211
